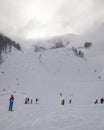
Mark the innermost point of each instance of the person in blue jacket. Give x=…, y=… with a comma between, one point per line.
x=11, y=101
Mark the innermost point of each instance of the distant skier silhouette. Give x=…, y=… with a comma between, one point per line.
x=62, y=102
x=26, y=100
x=36, y=100
x=70, y=101
x=61, y=94
x=31, y=101
x=96, y=101
x=101, y=100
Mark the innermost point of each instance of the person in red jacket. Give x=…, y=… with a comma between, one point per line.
x=11, y=101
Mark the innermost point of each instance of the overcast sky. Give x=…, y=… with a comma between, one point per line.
x=28, y=19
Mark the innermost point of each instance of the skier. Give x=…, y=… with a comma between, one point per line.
x=70, y=101
x=61, y=94
x=62, y=102
x=36, y=100
x=96, y=101
x=26, y=101
x=11, y=101
x=101, y=100
x=31, y=101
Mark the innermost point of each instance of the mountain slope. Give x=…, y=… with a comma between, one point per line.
x=53, y=71
x=45, y=75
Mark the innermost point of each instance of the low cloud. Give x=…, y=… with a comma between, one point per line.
x=28, y=19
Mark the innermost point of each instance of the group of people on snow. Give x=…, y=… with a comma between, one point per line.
x=63, y=100
x=28, y=101
x=101, y=101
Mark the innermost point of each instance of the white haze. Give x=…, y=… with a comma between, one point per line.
x=32, y=19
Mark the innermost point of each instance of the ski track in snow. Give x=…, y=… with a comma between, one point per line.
x=25, y=75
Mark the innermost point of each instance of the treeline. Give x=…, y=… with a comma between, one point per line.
x=6, y=45
x=77, y=52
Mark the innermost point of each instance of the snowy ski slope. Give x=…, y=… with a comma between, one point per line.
x=45, y=75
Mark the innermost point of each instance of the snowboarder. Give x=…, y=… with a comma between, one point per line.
x=11, y=101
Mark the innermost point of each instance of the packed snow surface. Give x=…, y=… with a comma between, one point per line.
x=44, y=75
